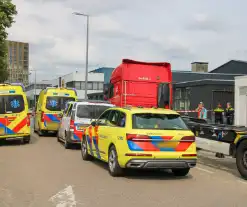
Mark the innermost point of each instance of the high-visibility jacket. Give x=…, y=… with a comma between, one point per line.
x=218, y=112
x=229, y=112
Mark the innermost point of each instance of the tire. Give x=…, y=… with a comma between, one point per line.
x=26, y=140
x=241, y=159
x=58, y=138
x=84, y=152
x=181, y=172
x=67, y=145
x=113, y=166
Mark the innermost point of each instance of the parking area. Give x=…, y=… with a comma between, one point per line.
x=43, y=173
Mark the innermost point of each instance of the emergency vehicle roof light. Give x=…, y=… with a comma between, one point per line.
x=19, y=84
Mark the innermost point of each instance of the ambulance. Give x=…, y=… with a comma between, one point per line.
x=49, y=108
x=14, y=116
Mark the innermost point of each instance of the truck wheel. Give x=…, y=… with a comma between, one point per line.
x=241, y=159
x=113, y=166
x=181, y=172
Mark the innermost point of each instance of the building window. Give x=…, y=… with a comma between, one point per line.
x=78, y=85
x=89, y=85
x=101, y=86
x=95, y=86
x=83, y=85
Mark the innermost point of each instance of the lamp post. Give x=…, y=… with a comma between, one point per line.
x=87, y=43
x=34, y=86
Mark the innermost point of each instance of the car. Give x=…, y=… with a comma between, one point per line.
x=76, y=117
x=140, y=138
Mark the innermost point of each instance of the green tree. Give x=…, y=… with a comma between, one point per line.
x=7, y=14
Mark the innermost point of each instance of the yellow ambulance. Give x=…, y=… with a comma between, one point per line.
x=14, y=117
x=49, y=108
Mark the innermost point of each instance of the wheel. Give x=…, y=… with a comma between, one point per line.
x=84, y=153
x=113, y=166
x=40, y=133
x=241, y=159
x=58, y=139
x=181, y=172
x=67, y=145
x=26, y=140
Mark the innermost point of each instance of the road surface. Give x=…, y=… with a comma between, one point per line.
x=44, y=174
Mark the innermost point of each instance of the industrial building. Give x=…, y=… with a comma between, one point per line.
x=18, y=62
x=71, y=80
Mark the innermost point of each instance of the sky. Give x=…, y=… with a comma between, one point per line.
x=175, y=31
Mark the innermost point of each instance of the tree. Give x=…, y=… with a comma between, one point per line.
x=7, y=14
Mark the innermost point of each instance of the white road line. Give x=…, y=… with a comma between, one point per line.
x=64, y=198
x=204, y=170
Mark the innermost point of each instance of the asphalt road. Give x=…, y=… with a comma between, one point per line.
x=44, y=174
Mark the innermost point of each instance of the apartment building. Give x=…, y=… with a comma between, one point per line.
x=18, y=62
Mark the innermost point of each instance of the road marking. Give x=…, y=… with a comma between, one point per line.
x=204, y=170
x=64, y=198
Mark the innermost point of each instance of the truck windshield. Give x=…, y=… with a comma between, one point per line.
x=158, y=121
x=11, y=104
x=90, y=111
x=56, y=103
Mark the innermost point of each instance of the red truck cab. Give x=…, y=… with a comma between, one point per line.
x=135, y=83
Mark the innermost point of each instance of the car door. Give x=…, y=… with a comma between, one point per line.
x=61, y=127
x=64, y=122
x=101, y=135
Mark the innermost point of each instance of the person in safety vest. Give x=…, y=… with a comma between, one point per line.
x=229, y=113
x=218, y=114
x=201, y=111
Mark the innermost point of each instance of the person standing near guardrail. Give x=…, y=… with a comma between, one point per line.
x=201, y=111
x=229, y=114
x=218, y=114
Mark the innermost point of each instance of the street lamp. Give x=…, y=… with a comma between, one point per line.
x=34, y=85
x=87, y=41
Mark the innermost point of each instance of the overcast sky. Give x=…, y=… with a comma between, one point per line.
x=178, y=31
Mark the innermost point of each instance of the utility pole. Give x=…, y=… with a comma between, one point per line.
x=87, y=48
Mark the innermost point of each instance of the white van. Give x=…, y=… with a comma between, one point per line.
x=76, y=117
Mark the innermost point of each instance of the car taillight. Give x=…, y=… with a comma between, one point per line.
x=42, y=116
x=72, y=124
x=188, y=139
x=138, y=137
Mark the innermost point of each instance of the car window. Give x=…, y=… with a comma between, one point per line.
x=113, y=118
x=158, y=121
x=122, y=119
x=2, y=105
x=56, y=103
x=14, y=103
x=104, y=118
x=90, y=111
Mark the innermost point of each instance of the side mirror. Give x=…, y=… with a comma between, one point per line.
x=93, y=123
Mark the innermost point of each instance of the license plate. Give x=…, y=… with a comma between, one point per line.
x=167, y=144
x=2, y=131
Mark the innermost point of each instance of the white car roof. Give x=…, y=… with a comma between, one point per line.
x=95, y=103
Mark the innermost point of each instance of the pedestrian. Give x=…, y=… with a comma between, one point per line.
x=218, y=114
x=229, y=114
x=201, y=111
